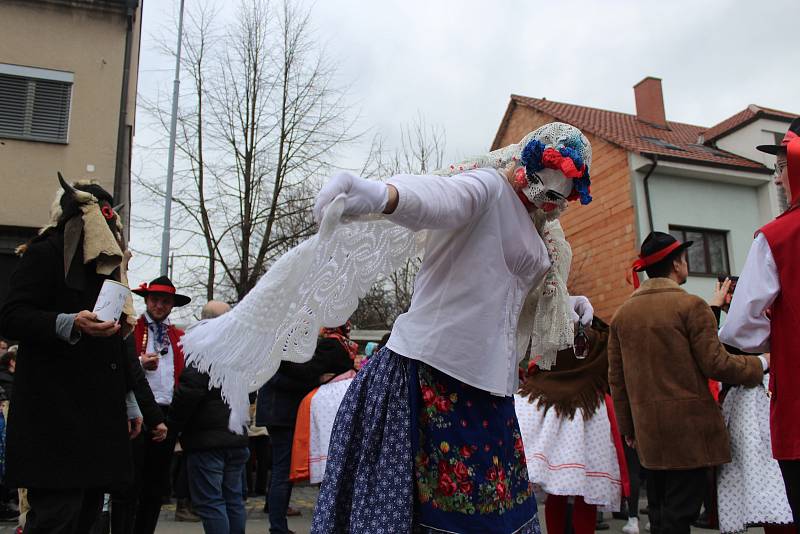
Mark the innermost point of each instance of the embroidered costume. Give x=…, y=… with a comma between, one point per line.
x=764, y=314
x=750, y=488
x=488, y=287
x=569, y=430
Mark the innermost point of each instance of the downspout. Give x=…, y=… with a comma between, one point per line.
x=122, y=190
x=654, y=159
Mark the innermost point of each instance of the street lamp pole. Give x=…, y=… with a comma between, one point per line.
x=171, y=156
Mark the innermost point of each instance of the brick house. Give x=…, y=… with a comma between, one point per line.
x=707, y=184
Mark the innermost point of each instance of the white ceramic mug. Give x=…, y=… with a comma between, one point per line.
x=111, y=300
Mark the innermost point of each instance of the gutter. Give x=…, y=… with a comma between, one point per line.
x=122, y=190
x=654, y=159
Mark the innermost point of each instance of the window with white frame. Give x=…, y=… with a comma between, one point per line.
x=34, y=103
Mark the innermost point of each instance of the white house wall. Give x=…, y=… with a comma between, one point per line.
x=743, y=142
x=695, y=202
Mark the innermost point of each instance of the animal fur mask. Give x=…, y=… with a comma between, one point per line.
x=92, y=232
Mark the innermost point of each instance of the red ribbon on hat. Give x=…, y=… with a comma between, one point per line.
x=642, y=263
x=157, y=288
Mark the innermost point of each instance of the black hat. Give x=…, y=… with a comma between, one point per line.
x=163, y=285
x=656, y=242
x=793, y=132
x=657, y=247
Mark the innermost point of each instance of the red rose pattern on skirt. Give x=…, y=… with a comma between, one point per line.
x=469, y=462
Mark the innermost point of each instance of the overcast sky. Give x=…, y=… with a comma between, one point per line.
x=456, y=62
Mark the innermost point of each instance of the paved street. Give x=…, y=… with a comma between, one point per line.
x=303, y=498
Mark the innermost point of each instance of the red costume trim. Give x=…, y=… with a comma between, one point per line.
x=157, y=288
x=174, y=334
x=792, y=143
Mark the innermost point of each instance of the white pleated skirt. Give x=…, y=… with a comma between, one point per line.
x=750, y=489
x=571, y=456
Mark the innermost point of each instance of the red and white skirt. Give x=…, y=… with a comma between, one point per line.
x=577, y=456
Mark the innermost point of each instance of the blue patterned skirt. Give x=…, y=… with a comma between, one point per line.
x=415, y=450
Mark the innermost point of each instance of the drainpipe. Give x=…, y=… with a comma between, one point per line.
x=654, y=159
x=121, y=181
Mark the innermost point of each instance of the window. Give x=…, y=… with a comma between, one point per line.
x=708, y=255
x=34, y=103
x=661, y=143
x=711, y=150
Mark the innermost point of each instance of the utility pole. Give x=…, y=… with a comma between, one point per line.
x=171, y=156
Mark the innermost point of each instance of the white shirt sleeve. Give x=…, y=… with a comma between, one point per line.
x=439, y=203
x=746, y=326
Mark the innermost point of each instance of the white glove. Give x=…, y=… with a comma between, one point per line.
x=581, y=310
x=362, y=197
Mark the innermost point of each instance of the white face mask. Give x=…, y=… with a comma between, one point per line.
x=552, y=188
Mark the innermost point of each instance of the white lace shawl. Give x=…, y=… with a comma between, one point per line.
x=552, y=329
x=316, y=284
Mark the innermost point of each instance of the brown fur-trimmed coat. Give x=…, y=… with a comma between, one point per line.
x=662, y=349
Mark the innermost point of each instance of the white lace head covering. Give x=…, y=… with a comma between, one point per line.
x=542, y=183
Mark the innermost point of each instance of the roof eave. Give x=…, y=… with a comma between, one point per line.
x=501, y=130
x=704, y=163
x=760, y=114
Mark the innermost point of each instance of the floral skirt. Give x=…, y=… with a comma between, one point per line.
x=414, y=450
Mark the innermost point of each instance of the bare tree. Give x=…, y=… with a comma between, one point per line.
x=421, y=151
x=264, y=118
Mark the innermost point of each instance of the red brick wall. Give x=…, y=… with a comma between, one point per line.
x=602, y=234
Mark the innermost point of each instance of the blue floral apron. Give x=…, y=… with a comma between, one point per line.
x=415, y=450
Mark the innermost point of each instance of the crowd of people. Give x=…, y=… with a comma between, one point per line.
x=445, y=427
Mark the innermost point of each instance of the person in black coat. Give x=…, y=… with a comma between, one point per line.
x=277, y=404
x=125, y=499
x=8, y=363
x=215, y=456
x=68, y=437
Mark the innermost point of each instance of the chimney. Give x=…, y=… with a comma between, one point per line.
x=650, y=102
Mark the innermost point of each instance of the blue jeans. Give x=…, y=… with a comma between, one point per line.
x=280, y=489
x=215, y=484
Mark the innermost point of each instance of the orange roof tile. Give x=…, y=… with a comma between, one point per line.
x=680, y=142
x=744, y=117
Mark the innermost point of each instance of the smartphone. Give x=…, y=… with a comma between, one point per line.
x=733, y=279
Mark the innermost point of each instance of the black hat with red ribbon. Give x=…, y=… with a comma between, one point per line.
x=162, y=285
x=656, y=247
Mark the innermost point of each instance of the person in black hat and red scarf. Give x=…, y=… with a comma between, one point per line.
x=662, y=349
x=764, y=315
x=157, y=343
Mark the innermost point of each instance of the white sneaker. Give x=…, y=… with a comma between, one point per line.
x=632, y=526
x=647, y=526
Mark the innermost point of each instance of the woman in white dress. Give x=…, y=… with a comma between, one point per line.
x=571, y=441
x=750, y=489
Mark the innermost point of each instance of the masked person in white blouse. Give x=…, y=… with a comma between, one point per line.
x=435, y=409
x=765, y=316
